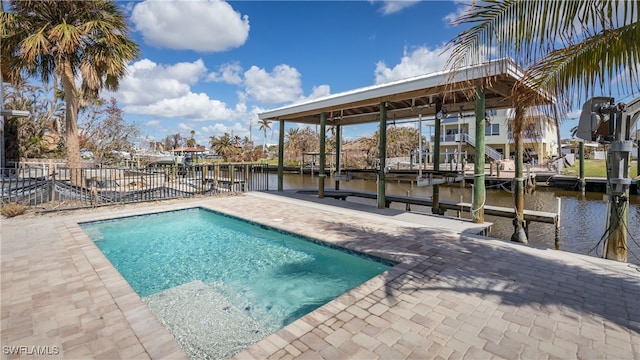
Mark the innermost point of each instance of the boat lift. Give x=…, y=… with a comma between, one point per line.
x=429, y=180
x=606, y=122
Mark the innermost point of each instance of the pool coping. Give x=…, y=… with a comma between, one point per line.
x=156, y=339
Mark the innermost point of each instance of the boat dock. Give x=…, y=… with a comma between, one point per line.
x=595, y=184
x=529, y=215
x=227, y=184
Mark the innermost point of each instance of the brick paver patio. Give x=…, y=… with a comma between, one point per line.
x=452, y=295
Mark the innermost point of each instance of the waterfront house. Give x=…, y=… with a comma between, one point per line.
x=457, y=135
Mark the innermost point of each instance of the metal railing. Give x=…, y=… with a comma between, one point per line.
x=60, y=188
x=488, y=150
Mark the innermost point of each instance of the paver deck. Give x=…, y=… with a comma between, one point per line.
x=453, y=295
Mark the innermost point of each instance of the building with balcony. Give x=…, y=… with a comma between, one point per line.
x=458, y=137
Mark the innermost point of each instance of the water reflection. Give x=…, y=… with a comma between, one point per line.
x=583, y=216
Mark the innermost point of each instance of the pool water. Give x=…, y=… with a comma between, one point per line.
x=269, y=276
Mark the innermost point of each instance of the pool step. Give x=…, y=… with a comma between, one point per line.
x=205, y=323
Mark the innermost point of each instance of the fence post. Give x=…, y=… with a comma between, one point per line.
x=53, y=185
x=231, y=177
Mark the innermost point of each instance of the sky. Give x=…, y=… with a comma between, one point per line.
x=211, y=66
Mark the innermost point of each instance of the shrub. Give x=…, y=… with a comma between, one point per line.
x=12, y=209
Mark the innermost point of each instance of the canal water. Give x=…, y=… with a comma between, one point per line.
x=583, y=217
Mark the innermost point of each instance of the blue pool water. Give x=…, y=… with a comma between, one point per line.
x=273, y=276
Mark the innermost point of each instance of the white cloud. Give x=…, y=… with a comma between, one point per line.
x=147, y=81
x=199, y=25
x=152, y=123
x=394, y=6
x=230, y=73
x=420, y=61
x=319, y=91
x=191, y=106
x=282, y=85
x=165, y=91
x=184, y=127
x=461, y=7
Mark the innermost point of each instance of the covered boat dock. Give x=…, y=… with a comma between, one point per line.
x=475, y=88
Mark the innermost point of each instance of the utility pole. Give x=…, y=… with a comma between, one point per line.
x=606, y=122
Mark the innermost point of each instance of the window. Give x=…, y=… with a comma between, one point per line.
x=492, y=130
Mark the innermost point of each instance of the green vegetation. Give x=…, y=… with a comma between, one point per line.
x=596, y=168
x=81, y=45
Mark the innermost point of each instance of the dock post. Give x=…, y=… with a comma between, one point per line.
x=583, y=182
x=435, y=209
x=382, y=151
x=408, y=206
x=479, y=189
x=338, y=139
x=557, y=239
x=519, y=235
x=321, y=169
x=281, y=157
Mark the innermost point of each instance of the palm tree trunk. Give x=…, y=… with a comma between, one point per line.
x=265, y=143
x=71, y=122
x=519, y=234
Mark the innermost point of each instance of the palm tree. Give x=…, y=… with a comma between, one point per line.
x=246, y=142
x=292, y=143
x=264, y=126
x=237, y=140
x=67, y=40
x=583, y=46
x=223, y=145
x=191, y=142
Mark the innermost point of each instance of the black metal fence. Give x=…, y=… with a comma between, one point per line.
x=59, y=188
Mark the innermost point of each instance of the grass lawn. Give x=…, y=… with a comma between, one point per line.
x=596, y=168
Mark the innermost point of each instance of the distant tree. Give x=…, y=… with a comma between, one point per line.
x=156, y=146
x=173, y=141
x=401, y=141
x=104, y=131
x=70, y=40
x=308, y=140
x=191, y=142
x=264, y=126
x=292, y=149
x=223, y=146
x=246, y=142
x=40, y=133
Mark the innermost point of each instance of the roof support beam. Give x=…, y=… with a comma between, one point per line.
x=323, y=155
x=477, y=210
x=281, y=156
x=382, y=151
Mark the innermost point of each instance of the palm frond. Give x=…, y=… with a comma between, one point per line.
x=602, y=61
x=527, y=30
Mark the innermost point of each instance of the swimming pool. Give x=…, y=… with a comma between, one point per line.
x=230, y=275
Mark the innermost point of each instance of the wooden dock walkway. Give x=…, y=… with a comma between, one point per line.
x=529, y=215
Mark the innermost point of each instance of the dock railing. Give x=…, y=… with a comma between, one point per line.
x=59, y=188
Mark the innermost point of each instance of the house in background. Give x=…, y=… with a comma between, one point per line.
x=458, y=136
